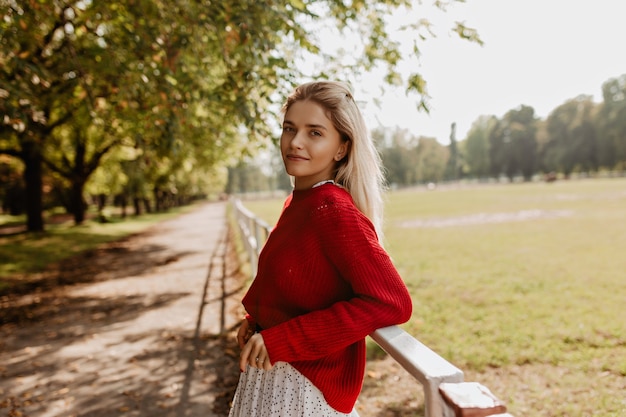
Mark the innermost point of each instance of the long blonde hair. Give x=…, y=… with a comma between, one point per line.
x=359, y=172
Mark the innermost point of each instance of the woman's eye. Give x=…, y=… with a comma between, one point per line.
x=316, y=133
x=288, y=129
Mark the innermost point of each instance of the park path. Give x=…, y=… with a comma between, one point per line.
x=145, y=327
x=151, y=332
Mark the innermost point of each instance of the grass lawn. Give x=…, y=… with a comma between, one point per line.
x=522, y=286
x=23, y=255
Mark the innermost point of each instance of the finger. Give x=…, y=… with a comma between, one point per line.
x=243, y=358
x=267, y=365
x=242, y=334
x=241, y=340
x=254, y=359
x=257, y=348
x=251, y=352
x=263, y=362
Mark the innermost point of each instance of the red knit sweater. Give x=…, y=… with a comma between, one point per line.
x=323, y=284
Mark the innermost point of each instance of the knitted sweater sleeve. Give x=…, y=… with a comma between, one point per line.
x=380, y=297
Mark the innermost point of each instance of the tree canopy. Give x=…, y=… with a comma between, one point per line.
x=167, y=93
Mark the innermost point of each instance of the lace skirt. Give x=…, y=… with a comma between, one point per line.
x=280, y=392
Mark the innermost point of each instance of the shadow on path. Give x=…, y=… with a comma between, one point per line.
x=129, y=329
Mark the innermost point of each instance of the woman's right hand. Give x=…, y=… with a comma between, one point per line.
x=255, y=354
x=244, y=333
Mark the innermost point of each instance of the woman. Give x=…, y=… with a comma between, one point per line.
x=324, y=282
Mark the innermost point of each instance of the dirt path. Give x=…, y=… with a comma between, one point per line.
x=149, y=333
x=146, y=327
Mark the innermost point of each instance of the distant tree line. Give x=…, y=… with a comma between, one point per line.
x=579, y=136
x=144, y=103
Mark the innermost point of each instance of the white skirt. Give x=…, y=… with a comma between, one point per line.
x=279, y=392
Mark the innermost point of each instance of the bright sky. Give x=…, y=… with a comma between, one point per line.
x=540, y=53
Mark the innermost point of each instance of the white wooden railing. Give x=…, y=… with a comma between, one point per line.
x=425, y=365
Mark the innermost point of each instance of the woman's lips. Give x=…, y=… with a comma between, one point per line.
x=296, y=158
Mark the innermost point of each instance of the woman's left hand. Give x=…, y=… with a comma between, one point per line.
x=255, y=354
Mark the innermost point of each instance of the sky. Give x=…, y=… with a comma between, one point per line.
x=538, y=53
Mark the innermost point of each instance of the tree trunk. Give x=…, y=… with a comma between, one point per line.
x=137, y=205
x=33, y=174
x=158, y=203
x=123, y=203
x=101, y=200
x=77, y=202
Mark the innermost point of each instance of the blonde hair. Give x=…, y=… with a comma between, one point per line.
x=359, y=172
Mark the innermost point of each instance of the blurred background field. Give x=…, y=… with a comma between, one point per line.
x=522, y=286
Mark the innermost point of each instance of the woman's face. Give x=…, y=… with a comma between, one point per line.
x=310, y=144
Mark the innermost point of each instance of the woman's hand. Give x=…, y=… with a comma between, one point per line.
x=255, y=354
x=244, y=333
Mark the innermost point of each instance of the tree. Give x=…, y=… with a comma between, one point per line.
x=521, y=140
x=497, y=149
x=571, y=137
x=399, y=156
x=36, y=81
x=611, y=123
x=432, y=159
x=205, y=73
x=477, y=147
x=12, y=191
x=455, y=165
x=513, y=144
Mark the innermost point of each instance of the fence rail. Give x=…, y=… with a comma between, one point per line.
x=425, y=365
x=254, y=232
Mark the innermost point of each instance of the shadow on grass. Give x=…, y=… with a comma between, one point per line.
x=23, y=255
x=109, y=261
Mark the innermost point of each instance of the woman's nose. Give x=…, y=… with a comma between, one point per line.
x=296, y=141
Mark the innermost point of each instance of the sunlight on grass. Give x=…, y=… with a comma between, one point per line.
x=29, y=253
x=6, y=219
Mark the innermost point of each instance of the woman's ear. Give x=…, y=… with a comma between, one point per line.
x=342, y=151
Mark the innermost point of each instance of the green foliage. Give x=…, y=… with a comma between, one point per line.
x=398, y=156
x=477, y=148
x=577, y=136
x=191, y=86
x=454, y=164
x=611, y=123
x=409, y=160
x=432, y=159
x=520, y=136
x=573, y=138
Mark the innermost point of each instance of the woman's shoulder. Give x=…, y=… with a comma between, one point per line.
x=334, y=204
x=335, y=214
x=333, y=195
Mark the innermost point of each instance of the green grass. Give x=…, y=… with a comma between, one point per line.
x=548, y=293
x=8, y=220
x=28, y=253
